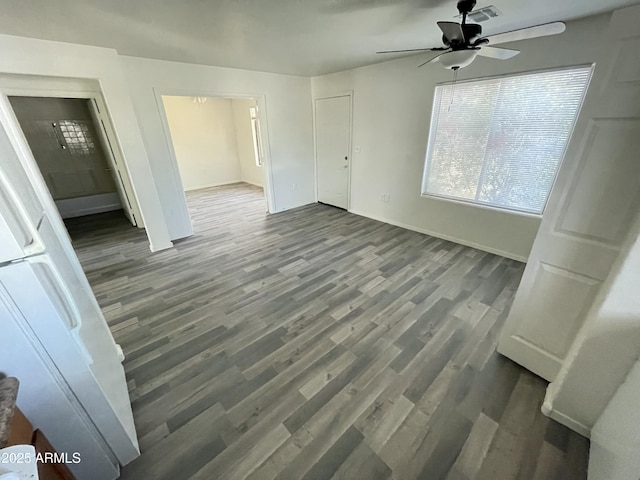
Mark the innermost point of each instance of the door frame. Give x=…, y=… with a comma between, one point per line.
x=84, y=89
x=261, y=101
x=347, y=93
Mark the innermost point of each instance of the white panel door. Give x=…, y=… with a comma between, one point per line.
x=333, y=146
x=118, y=170
x=589, y=212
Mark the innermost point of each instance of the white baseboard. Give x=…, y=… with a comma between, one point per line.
x=566, y=420
x=208, y=185
x=157, y=248
x=252, y=183
x=461, y=241
x=222, y=184
x=81, y=206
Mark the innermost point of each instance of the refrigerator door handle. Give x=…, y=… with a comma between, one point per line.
x=68, y=303
x=17, y=219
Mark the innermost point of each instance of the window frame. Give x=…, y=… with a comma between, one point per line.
x=256, y=134
x=433, y=125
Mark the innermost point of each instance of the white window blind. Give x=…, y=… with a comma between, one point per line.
x=500, y=141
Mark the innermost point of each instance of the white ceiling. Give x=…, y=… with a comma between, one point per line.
x=301, y=37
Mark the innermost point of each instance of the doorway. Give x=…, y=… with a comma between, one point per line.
x=217, y=142
x=333, y=149
x=73, y=154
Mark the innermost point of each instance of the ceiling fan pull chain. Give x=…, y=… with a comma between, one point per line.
x=453, y=87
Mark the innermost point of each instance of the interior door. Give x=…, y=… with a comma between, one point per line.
x=333, y=147
x=116, y=168
x=589, y=212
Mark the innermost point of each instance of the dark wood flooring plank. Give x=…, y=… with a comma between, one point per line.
x=183, y=453
x=329, y=463
x=363, y=464
x=448, y=448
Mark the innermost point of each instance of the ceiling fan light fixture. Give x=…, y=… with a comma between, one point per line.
x=457, y=58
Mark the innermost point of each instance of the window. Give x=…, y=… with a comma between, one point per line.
x=500, y=141
x=255, y=130
x=77, y=136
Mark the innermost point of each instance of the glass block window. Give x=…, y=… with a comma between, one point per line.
x=499, y=142
x=77, y=136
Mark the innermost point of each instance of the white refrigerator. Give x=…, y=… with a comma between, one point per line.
x=53, y=336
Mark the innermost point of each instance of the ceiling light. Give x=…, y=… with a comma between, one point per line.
x=457, y=58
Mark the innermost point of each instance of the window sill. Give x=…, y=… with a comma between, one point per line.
x=481, y=206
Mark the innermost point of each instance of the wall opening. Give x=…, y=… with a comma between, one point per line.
x=73, y=153
x=217, y=142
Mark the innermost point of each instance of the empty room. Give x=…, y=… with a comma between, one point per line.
x=340, y=239
x=218, y=150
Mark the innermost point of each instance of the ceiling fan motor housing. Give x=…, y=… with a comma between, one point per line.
x=471, y=31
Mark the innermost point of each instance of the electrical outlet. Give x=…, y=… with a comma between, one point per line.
x=356, y=149
x=385, y=197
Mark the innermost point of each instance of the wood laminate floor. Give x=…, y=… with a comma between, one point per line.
x=317, y=344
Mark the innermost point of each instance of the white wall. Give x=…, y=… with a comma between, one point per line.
x=127, y=80
x=392, y=104
x=615, y=440
x=204, y=140
x=250, y=172
x=288, y=129
x=55, y=59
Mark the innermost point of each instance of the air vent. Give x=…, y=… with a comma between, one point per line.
x=482, y=14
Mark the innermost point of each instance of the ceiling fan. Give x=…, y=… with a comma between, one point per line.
x=464, y=41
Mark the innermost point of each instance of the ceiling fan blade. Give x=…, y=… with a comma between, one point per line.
x=415, y=50
x=432, y=60
x=526, y=33
x=498, y=53
x=452, y=31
